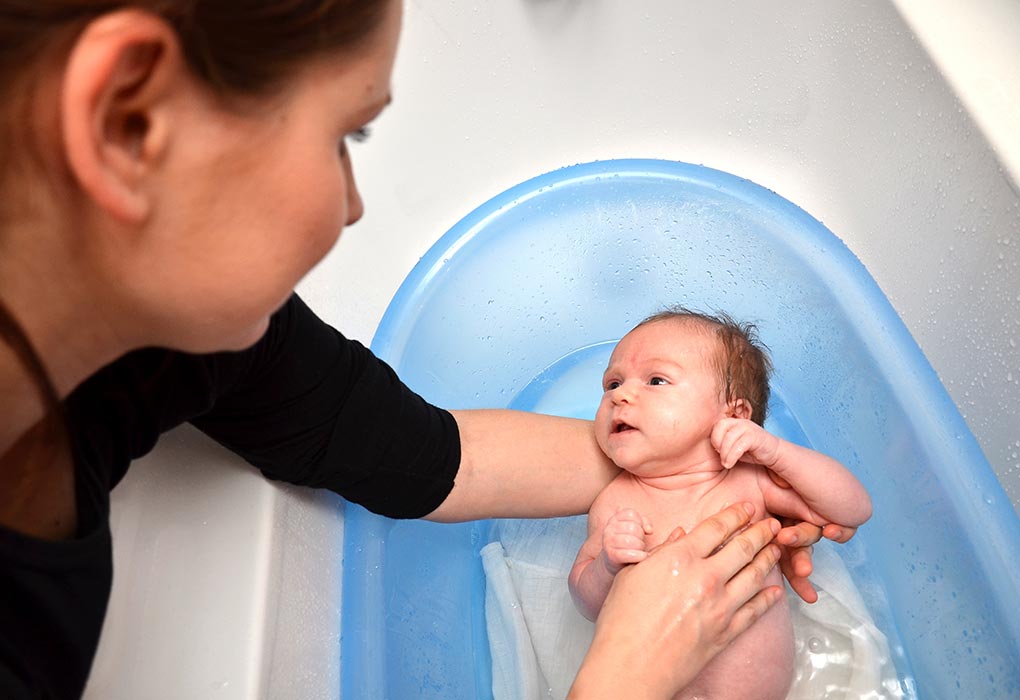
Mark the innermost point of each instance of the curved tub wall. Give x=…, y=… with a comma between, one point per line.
x=576, y=257
x=838, y=106
x=835, y=106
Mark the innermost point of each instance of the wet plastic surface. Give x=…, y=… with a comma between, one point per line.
x=511, y=306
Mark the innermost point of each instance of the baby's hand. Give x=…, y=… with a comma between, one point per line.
x=624, y=539
x=738, y=438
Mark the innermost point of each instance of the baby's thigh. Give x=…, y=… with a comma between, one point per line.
x=757, y=665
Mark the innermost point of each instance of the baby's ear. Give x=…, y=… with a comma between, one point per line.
x=739, y=408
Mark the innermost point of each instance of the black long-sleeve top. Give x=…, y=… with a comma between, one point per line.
x=304, y=405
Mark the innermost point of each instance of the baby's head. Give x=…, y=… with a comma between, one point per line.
x=741, y=360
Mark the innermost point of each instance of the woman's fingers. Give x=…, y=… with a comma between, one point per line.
x=745, y=588
x=795, y=562
x=753, y=609
x=838, y=533
x=778, y=480
x=799, y=559
x=796, y=567
x=711, y=533
x=677, y=533
x=747, y=546
x=798, y=533
x=748, y=578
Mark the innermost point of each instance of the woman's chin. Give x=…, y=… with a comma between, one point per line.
x=224, y=340
x=247, y=337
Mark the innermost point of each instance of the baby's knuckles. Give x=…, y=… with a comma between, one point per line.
x=627, y=515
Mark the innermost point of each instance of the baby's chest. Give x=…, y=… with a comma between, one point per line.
x=667, y=510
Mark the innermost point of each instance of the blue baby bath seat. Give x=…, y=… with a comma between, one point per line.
x=519, y=304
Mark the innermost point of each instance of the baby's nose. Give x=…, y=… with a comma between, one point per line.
x=623, y=394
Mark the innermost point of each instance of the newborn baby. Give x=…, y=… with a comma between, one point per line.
x=684, y=402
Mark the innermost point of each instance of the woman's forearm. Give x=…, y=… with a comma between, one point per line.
x=524, y=465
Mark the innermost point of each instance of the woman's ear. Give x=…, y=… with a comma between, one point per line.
x=739, y=408
x=114, y=108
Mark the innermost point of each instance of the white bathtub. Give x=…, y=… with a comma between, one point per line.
x=890, y=122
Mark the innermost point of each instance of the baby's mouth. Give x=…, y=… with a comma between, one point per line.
x=621, y=427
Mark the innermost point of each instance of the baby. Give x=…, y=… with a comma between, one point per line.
x=682, y=411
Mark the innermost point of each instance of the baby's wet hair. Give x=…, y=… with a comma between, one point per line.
x=743, y=363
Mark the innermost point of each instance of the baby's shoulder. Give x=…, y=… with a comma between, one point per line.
x=621, y=492
x=742, y=483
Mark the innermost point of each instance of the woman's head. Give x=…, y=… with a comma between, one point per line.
x=185, y=159
x=236, y=46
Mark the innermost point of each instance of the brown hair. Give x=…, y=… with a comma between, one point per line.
x=743, y=363
x=237, y=47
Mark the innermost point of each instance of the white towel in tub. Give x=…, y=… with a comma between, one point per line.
x=537, y=637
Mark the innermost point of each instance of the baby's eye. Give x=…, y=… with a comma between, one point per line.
x=657, y=381
x=613, y=384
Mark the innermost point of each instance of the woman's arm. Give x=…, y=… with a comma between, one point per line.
x=517, y=464
x=524, y=465
x=657, y=631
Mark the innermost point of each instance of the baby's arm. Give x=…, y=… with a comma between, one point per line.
x=831, y=492
x=611, y=545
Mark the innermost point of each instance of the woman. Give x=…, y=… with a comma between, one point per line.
x=170, y=169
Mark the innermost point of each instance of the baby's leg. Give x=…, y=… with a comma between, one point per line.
x=757, y=665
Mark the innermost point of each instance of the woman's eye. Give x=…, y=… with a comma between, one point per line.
x=361, y=135
x=657, y=381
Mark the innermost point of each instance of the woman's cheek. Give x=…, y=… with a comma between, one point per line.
x=325, y=227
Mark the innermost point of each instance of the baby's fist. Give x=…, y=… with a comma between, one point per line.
x=624, y=539
x=739, y=438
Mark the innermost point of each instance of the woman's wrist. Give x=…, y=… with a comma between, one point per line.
x=606, y=675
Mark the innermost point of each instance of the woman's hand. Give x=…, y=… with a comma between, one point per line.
x=669, y=615
x=797, y=538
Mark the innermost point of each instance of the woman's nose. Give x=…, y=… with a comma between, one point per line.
x=355, y=207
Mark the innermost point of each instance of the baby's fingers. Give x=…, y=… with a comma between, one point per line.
x=733, y=448
x=627, y=528
x=620, y=556
x=723, y=427
x=731, y=440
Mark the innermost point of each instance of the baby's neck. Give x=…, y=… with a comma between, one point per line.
x=684, y=474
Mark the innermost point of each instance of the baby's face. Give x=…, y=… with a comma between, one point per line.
x=661, y=398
